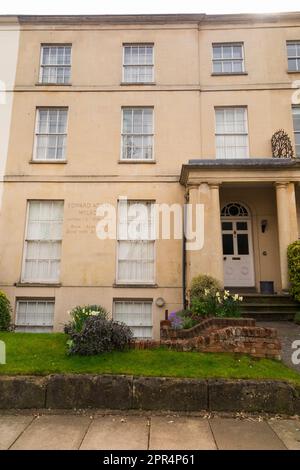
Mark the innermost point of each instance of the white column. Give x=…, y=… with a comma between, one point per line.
x=287, y=225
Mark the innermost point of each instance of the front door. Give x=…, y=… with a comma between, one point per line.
x=237, y=252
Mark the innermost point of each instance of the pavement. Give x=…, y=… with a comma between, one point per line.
x=288, y=332
x=123, y=431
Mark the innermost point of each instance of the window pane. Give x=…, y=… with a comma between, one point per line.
x=217, y=67
x=241, y=225
x=227, y=244
x=292, y=50
x=227, y=66
x=242, y=242
x=292, y=63
x=237, y=52
x=296, y=119
x=227, y=52
x=237, y=66
x=226, y=225
x=217, y=52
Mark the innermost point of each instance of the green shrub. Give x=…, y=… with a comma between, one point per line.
x=80, y=314
x=99, y=335
x=297, y=318
x=5, y=312
x=217, y=304
x=202, y=283
x=294, y=269
x=188, y=322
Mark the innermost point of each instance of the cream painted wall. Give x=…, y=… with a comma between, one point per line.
x=9, y=43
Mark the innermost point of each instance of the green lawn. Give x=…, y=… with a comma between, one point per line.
x=42, y=354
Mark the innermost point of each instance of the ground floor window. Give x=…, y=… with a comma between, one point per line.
x=35, y=316
x=137, y=314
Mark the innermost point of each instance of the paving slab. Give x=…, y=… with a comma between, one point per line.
x=288, y=430
x=235, y=434
x=11, y=427
x=175, y=433
x=117, y=432
x=57, y=432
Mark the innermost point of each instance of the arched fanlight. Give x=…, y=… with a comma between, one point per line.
x=234, y=209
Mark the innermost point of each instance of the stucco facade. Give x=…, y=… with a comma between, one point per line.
x=184, y=96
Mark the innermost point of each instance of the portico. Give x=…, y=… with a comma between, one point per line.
x=250, y=218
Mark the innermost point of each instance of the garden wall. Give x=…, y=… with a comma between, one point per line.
x=148, y=393
x=219, y=335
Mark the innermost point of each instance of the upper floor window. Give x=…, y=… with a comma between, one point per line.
x=137, y=134
x=50, y=134
x=293, y=52
x=231, y=132
x=296, y=120
x=138, y=63
x=43, y=239
x=228, y=58
x=55, y=64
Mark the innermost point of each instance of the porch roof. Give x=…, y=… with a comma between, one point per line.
x=240, y=169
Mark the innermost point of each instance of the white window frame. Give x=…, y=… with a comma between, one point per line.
x=138, y=65
x=31, y=327
x=297, y=57
x=134, y=301
x=37, y=134
x=224, y=59
x=296, y=131
x=43, y=66
x=133, y=108
x=24, y=279
x=218, y=108
x=153, y=241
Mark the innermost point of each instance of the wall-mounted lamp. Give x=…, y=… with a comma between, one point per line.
x=264, y=224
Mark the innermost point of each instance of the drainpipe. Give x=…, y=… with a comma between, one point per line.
x=184, y=302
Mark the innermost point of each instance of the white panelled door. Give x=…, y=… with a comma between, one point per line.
x=237, y=250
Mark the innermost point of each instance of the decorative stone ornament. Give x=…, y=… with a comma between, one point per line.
x=160, y=302
x=282, y=145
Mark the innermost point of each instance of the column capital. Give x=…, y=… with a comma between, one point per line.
x=215, y=184
x=281, y=184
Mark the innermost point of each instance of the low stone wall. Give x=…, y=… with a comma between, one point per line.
x=219, y=335
x=148, y=393
x=205, y=326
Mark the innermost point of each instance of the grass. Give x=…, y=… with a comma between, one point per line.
x=42, y=354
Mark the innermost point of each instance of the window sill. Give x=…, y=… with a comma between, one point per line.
x=149, y=286
x=293, y=71
x=222, y=74
x=137, y=161
x=53, y=84
x=137, y=83
x=60, y=162
x=37, y=284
